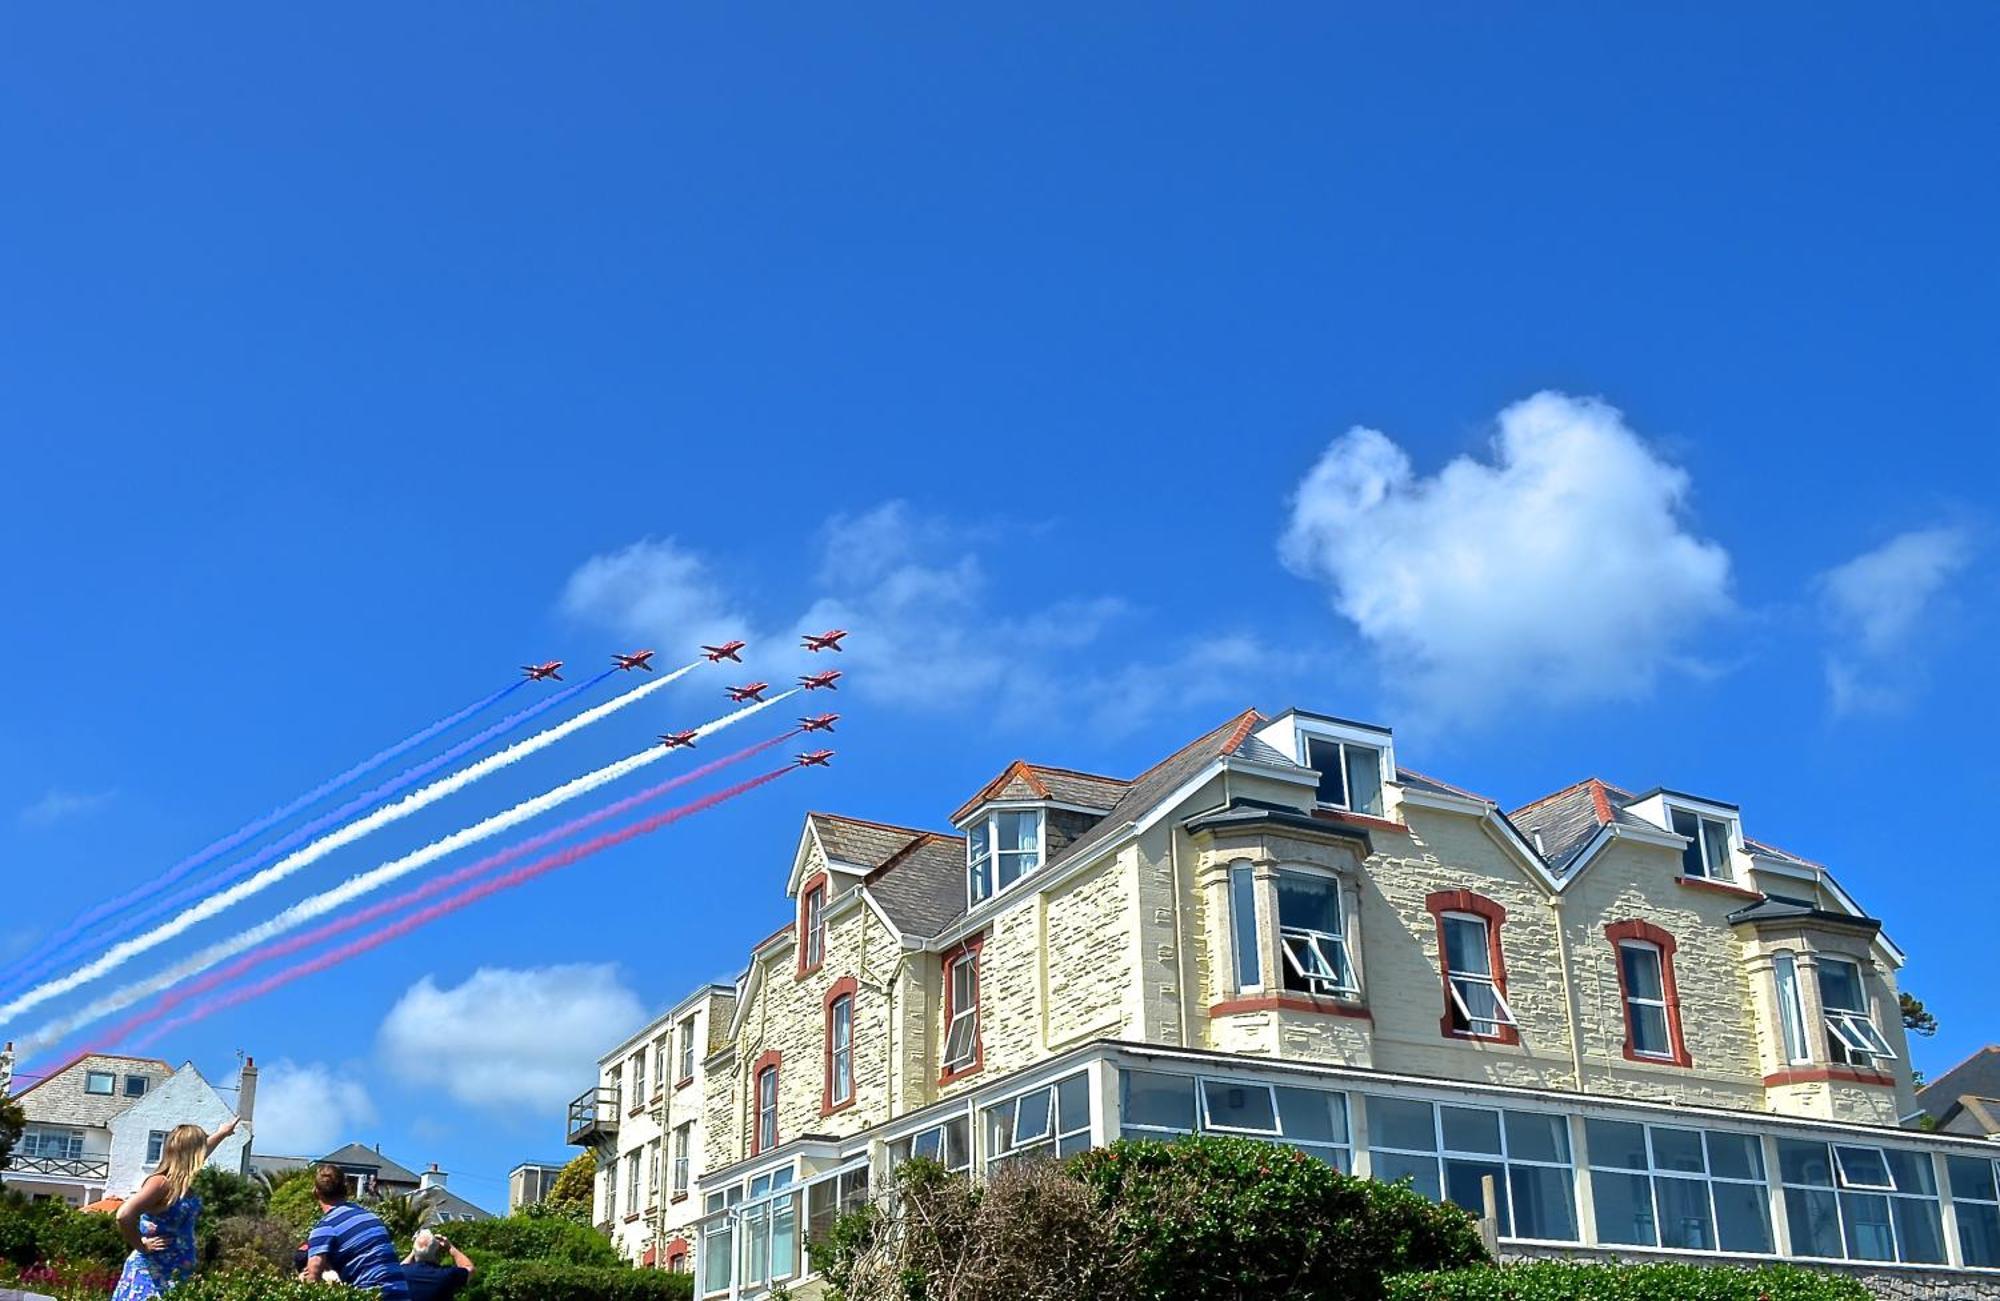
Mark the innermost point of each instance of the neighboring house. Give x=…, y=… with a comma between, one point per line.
x=97, y=1123
x=1966, y=1098
x=645, y=1125
x=375, y=1175
x=528, y=1184
x=1655, y=1032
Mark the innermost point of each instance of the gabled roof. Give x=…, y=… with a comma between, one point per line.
x=1411, y=779
x=922, y=889
x=863, y=844
x=1570, y=819
x=1022, y=780
x=359, y=1154
x=82, y=1057
x=1977, y=1076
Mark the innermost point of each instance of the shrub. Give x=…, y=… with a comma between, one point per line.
x=1552, y=1280
x=291, y=1200
x=537, y=1238
x=33, y=1233
x=224, y=1194
x=251, y=1244
x=224, y=1286
x=535, y=1280
x=573, y=1189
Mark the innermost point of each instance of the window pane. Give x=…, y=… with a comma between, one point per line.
x=1243, y=926
x=1649, y=1031
x=1020, y=830
x=1979, y=1233
x=1323, y=757
x=715, y=1260
x=1861, y=1167
x=957, y=1143
x=1624, y=1208
x=1239, y=1106
x=785, y=1238
x=1364, y=779
x=1399, y=1122
x=1421, y=1171
x=1470, y=1130
x=1544, y=1205
x=1743, y=1217
x=1970, y=1176
x=1073, y=1103
x=1815, y=1222
x=1615, y=1144
x=1532, y=1136
x=1308, y=902
x=1919, y=1231
x=1715, y=841
x=1641, y=964
x=1735, y=1156
x=1800, y=1162
x=1686, y=824
x=1311, y=1116
x=1465, y=947
x=1790, y=1011
x=1868, y=1233
x=1685, y=1220
x=1912, y=1172
x=1462, y=1181
x=1163, y=1101
x=1031, y=1116
x=1677, y=1149
x=1840, y=986
x=928, y=1144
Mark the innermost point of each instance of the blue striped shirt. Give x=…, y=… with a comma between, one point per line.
x=355, y=1243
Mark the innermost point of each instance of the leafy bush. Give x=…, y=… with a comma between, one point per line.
x=250, y=1244
x=224, y=1194
x=571, y=1194
x=534, y=1280
x=33, y=1233
x=1552, y=1280
x=226, y=1286
x=291, y=1200
x=536, y=1238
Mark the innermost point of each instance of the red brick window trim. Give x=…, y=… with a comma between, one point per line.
x=842, y=990
x=966, y=955
x=811, y=944
x=764, y=1067
x=1452, y=1024
x=1641, y=932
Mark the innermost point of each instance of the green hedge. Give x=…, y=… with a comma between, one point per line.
x=1552, y=1280
x=539, y=1238
x=530, y=1280
x=33, y=1232
x=260, y=1287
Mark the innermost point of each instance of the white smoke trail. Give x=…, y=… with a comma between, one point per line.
x=362, y=883
x=304, y=857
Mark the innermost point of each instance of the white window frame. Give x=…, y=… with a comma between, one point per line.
x=1888, y=1192
x=1703, y=820
x=1208, y=1122
x=639, y=1077
x=687, y=1048
x=1632, y=1000
x=1655, y=1172
x=90, y=1079
x=1246, y=959
x=936, y=1137
x=653, y=1172
x=966, y=1013
x=156, y=1145
x=1441, y=1153
x=815, y=936
x=1052, y=1136
x=632, y=1182
x=1854, y=1029
x=1339, y=963
x=1380, y=750
x=840, y=1051
x=683, y=1139
x=982, y=871
x=1797, y=1044
x=1452, y=977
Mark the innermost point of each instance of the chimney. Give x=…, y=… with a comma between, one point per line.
x=431, y=1178
x=246, y=1106
x=6, y=1067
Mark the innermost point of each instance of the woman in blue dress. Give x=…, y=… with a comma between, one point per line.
x=158, y=1220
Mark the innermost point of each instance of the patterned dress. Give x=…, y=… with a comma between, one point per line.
x=151, y=1273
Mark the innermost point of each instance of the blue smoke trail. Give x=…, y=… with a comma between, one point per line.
x=85, y=920
x=307, y=831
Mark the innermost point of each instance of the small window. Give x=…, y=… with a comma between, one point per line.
x=681, y=1141
x=961, y=1038
x=1310, y=934
x=687, y=1049
x=1000, y=849
x=1350, y=776
x=1645, y=999
x=639, y=1077
x=840, y=1051
x=1243, y=926
x=1231, y=1107
x=101, y=1083
x=1707, y=852
x=156, y=1145
x=1791, y=1010
x=135, y=1086
x=1479, y=1008
x=815, y=936
x=1852, y=1035
x=767, y=1108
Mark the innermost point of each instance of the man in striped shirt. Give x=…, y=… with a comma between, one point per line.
x=351, y=1242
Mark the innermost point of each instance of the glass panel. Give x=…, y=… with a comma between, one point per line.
x=1641, y=963
x=1470, y=1130
x=1919, y=1231
x=1800, y=1162
x=1624, y=1207
x=1861, y=1167
x=1868, y=1234
x=1164, y=1101
x=1333, y=1156
x=1364, y=779
x=1912, y=1172
x=1311, y=1116
x=1465, y=948
x=822, y=1208
x=1323, y=757
x=1239, y=1106
x=1309, y=902
x=1814, y=1217
x=1715, y=841
x=1742, y=1217
x=1243, y=926
x=1615, y=1144
x=1421, y=1171
x=1073, y=1103
x=1399, y=1122
x=1686, y=824
x=1649, y=1031
x=1544, y=1206
x=1840, y=986
x=1979, y=1233
x=1685, y=1219
x=785, y=1238
x=1970, y=1176
x=1532, y=1136
x=1735, y=1156
x=958, y=1144
x=1031, y=1116
x=1677, y=1149
x=1791, y=1013
x=1462, y=1186
x=928, y=1144
x=716, y=1254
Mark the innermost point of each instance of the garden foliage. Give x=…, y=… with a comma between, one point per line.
x=1550, y=1280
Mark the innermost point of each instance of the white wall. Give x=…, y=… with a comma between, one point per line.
x=185, y=1099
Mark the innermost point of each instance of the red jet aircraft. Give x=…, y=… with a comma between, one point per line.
x=636, y=660
x=819, y=723
x=543, y=672
x=815, y=758
x=726, y=651
x=828, y=640
x=672, y=739
x=814, y=681
x=754, y=691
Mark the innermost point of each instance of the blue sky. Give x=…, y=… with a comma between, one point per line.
x=352, y=358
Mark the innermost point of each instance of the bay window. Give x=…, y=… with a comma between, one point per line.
x=1310, y=935
x=1852, y=1035
x=54, y=1143
x=1000, y=849
x=1350, y=775
x=1707, y=852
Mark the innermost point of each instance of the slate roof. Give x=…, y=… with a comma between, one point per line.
x=1763, y=849
x=864, y=844
x=1778, y=907
x=1977, y=1076
x=359, y=1154
x=1569, y=819
x=923, y=888
x=1411, y=779
x=1021, y=780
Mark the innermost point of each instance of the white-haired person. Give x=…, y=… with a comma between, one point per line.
x=424, y=1269
x=157, y=1221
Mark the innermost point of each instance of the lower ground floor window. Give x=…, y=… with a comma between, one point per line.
x=1163, y=1106
x=832, y=1196
x=1667, y=1186
x=948, y=1143
x=1447, y=1152
x=1976, y=1201
x=1053, y=1120
x=1860, y=1202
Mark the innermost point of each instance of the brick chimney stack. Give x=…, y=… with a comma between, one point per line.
x=246, y=1106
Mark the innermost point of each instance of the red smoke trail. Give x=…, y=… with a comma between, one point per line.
x=562, y=858
x=292, y=944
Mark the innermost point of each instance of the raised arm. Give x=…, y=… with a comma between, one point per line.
x=221, y=1136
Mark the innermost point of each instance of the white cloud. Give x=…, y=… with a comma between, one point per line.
x=1560, y=568
x=1875, y=605
x=61, y=805
x=508, y=1038
x=928, y=631
x=308, y=1110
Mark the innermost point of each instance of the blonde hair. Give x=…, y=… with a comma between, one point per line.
x=181, y=1159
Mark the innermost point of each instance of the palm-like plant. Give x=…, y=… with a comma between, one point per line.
x=402, y=1214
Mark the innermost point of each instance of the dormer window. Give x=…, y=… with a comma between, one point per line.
x=1707, y=852
x=1350, y=775
x=1000, y=849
